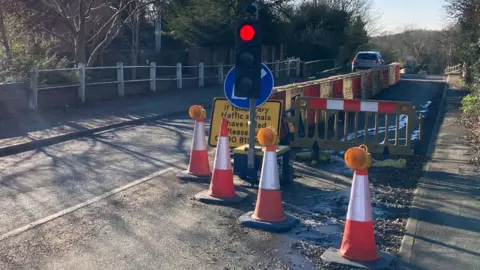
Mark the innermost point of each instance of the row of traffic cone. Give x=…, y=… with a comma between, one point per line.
x=269, y=213
x=358, y=243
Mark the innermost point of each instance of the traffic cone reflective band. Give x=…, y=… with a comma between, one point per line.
x=222, y=189
x=268, y=214
x=221, y=185
x=359, y=238
x=269, y=200
x=199, y=165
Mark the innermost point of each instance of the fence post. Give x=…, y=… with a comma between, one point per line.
x=277, y=68
x=298, y=67
x=220, y=73
x=179, y=75
x=120, y=80
x=81, y=87
x=201, y=74
x=306, y=71
x=33, y=101
x=153, y=77
x=288, y=67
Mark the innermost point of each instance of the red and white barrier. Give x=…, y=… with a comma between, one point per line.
x=353, y=105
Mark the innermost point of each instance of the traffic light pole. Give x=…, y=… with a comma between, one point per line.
x=253, y=118
x=251, y=134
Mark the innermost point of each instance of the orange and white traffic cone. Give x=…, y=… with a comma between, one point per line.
x=359, y=237
x=222, y=189
x=268, y=214
x=199, y=166
x=358, y=243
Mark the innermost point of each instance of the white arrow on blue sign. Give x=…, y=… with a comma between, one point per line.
x=266, y=89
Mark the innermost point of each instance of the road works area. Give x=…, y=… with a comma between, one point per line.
x=58, y=211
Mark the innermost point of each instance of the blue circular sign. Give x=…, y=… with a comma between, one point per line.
x=267, y=84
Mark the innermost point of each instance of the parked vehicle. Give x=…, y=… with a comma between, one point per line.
x=367, y=60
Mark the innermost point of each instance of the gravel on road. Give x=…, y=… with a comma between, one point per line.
x=323, y=214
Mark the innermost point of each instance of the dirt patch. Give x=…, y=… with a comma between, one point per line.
x=322, y=213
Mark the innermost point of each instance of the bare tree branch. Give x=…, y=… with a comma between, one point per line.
x=112, y=18
x=87, y=13
x=105, y=42
x=57, y=7
x=29, y=21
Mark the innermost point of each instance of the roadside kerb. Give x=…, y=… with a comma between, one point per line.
x=32, y=145
x=408, y=240
x=28, y=146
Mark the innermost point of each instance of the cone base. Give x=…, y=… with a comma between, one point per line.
x=282, y=226
x=205, y=197
x=333, y=256
x=185, y=175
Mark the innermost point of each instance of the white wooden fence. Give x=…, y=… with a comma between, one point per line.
x=78, y=75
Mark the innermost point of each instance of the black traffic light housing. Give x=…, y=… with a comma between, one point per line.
x=248, y=58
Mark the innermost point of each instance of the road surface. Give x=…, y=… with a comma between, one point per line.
x=150, y=226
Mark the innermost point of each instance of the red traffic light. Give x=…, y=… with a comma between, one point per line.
x=247, y=32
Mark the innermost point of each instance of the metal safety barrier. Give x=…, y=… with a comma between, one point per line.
x=384, y=77
x=391, y=75
x=376, y=82
x=359, y=85
x=387, y=125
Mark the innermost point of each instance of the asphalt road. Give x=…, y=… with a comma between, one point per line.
x=153, y=225
x=38, y=183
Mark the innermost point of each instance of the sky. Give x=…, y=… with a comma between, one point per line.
x=395, y=15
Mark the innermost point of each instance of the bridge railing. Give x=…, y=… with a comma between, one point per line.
x=120, y=80
x=314, y=69
x=453, y=69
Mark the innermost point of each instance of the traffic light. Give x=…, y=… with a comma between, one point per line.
x=248, y=58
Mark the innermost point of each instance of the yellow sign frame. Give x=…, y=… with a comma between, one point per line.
x=235, y=140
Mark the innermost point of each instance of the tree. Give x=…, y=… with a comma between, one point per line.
x=204, y=22
x=85, y=27
x=466, y=16
x=356, y=39
x=134, y=26
x=5, y=41
x=425, y=47
x=212, y=22
x=357, y=9
x=326, y=29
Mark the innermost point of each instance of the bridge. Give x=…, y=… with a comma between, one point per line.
x=92, y=184
x=48, y=89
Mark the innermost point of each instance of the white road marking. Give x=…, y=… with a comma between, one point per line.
x=36, y=223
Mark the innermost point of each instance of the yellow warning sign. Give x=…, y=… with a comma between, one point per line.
x=269, y=114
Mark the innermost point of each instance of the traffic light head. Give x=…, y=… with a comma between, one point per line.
x=248, y=58
x=246, y=32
